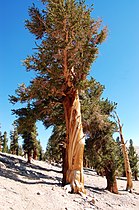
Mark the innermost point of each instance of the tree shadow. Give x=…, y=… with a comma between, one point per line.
x=121, y=178
x=13, y=160
x=19, y=170
x=92, y=172
x=89, y=171
x=95, y=189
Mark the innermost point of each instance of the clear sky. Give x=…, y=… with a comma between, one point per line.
x=117, y=66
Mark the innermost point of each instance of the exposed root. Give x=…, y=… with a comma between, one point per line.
x=68, y=188
x=75, y=177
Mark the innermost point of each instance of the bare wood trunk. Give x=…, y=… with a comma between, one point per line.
x=75, y=143
x=128, y=171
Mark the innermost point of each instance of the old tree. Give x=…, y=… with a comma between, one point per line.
x=68, y=39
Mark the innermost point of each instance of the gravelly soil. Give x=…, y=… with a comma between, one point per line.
x=37, y=186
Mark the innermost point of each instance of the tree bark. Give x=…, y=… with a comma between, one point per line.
x=29, y=156
x=17, y=151
x=64, y=166
x=111, y=181
x=128, y=171
x=136, y=175
x=35, y=153
x=73, y=166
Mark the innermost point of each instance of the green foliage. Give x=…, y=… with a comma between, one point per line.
x=55, y=144
x=100, y=150
x=30, y=144
x=64, y=25
x=103, y=155
x=20, y=151
x=121, y=169
x=25, y=118
x=26, y=127
x=68, y=44
x=29, y=141
x=96, y=112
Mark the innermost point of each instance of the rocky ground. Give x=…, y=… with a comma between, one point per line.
x=37, y=186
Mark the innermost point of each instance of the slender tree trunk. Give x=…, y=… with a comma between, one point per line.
x=17, y=151
x=64, y=165
x=0, y=147
x=111, y=181
x=124, y=173
x=85, y=162
x=29, y=156
x=35, y=154
x=136, y=175
x=73, y=168
x=128, y=171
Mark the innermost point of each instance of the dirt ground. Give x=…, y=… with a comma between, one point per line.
x=37, y=186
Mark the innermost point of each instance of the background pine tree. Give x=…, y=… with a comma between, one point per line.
x=5, y=143
x=14, y=146
x=26, y=127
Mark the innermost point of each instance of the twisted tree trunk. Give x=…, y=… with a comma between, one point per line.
x=73, y=165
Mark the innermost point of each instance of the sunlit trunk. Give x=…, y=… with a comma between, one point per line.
x=73, y=168
x=128, y=171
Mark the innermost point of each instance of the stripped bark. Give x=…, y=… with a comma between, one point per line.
x=75, y=143
x=128, y=171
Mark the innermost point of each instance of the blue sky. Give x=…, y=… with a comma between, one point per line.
x=117, y=66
